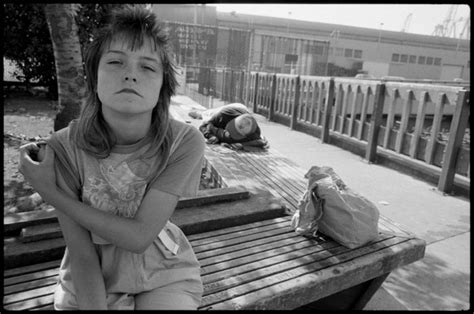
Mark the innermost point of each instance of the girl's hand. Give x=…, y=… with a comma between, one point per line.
x=37, y=166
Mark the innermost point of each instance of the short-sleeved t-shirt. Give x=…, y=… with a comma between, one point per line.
x=122, y=178
x=118, y=184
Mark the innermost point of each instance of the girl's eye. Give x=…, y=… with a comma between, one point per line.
x=148, y=68
x=114, y=62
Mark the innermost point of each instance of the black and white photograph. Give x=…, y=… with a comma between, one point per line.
x=236, y=156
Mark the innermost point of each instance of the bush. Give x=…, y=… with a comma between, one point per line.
x=27, y=42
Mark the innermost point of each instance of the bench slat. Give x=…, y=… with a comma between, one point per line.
x=210, y=234
x=265, y=250
x=33, y=284
x=16, y=252
x=211, y=196
x=48, y=307
x=240, y=246
x=30, y=268
x=29, y=277
x=40, y=232
x=238, y=234
x=31, y=298
x=40, y=302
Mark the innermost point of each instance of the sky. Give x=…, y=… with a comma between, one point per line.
x=390, y=17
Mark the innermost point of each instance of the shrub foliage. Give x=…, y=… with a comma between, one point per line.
x=27, y=42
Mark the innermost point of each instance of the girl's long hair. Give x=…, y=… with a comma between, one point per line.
x=134, y=24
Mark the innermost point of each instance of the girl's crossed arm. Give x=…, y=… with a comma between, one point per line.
x=133, y=234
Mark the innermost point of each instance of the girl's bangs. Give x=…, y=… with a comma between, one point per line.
x=134, y=39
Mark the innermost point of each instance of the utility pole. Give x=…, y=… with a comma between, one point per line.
x=288, y=24
x=380, y=32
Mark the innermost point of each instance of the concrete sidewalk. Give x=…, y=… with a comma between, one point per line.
x=441, y=280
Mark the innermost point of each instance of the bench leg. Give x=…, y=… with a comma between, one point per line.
x=353, y=298
x=366, y=295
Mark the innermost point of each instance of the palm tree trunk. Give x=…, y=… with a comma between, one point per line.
x=68, y=59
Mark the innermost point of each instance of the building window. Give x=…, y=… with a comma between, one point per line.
x=358, y=54
x=437, y=61
x=395, y=57
x=339, y=51
x=348, y=53
x=404, y=58
x=429, y=60
x=412, y=59
x=421, y=59
x=291, y=59
x=330, y=51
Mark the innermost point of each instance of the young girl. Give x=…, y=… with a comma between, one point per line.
x=115, y=175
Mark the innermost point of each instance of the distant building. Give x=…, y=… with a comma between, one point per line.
x=310, y=48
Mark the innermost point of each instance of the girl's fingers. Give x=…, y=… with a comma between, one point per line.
x=33, y=152
x=27, y=150
x=48, y=155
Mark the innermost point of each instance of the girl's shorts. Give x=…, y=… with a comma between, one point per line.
x=168, y=270
x=181, y=295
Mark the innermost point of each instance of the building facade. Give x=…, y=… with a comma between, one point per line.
x=311, y=48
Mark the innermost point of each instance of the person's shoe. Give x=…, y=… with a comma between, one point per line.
x=195, y=115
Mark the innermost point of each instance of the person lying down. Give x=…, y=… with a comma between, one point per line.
x=230, y=124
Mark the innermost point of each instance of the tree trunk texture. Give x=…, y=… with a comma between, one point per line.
x=68, y=59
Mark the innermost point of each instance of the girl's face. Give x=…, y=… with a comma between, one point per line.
x=129, y=82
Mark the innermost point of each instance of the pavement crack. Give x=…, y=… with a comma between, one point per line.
x=450, y=237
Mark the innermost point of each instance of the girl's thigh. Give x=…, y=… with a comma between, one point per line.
x=64, y=300
x=183, y=295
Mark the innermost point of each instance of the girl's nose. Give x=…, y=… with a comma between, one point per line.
x=129, y=77
x=130, y=73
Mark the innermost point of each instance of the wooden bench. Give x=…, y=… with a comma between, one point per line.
x=262, y=265
x=271, y=170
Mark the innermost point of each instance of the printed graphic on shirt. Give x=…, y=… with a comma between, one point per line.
x=117, y=186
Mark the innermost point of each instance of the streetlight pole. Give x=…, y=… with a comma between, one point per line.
x=380, y=32
x=288, y=24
